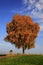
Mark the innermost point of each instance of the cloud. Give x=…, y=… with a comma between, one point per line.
x=35, y=7
x=2, y=44
x=41, y=28
x=32, y=1
x=41, y=1
x=25, y=1
x=37, y=14
x=39, y=6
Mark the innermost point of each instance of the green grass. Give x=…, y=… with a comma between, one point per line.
x=22, y=60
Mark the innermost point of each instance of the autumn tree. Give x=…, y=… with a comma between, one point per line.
x=22, y=32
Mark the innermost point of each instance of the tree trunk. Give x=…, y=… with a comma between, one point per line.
x=23, y=50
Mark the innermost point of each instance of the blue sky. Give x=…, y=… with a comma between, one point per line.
x=9, y=8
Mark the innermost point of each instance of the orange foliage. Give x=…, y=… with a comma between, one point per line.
x=22, y=31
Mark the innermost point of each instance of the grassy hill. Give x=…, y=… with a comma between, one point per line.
x=22, y=60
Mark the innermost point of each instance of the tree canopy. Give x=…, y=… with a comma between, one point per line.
x=22, y=31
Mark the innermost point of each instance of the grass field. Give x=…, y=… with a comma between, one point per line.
x=22, y=60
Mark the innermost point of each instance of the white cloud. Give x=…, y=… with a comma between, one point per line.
x=2, y=45
x=25, y=1
x=39, y=6
x=41, y=1
x=36, y=6
x=37, y=14
x=32, y=1
x=41, y=28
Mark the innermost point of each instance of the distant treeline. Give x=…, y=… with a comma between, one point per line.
x=2, y=54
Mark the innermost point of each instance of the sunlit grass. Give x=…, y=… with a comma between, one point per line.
x=22, y=60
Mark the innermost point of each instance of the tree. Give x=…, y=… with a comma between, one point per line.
x=11, y=51
x=22, y=32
